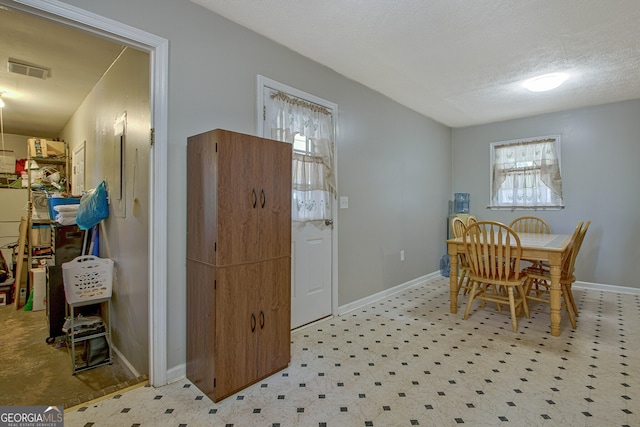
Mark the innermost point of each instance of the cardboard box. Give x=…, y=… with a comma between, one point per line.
x=56, y=149
x=41, y=235
x=37, y=147
x=39, y=283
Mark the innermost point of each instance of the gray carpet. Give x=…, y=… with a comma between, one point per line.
x=36, y=373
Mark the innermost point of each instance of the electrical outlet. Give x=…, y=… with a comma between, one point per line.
x=401, y=255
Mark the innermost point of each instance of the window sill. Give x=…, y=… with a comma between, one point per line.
x=525, y=208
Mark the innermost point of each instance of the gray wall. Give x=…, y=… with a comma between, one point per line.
x=16, y=145
x=392, y=163
x=124, y=235
x=600, y=154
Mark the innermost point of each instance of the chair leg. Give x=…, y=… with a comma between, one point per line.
x=472, y=296
x=467, y=288
x=528, y=283
x=512, y=306
x=495, y=292
x=463, y=274
x=571, y=300
x=525, y=305
x=568, y=305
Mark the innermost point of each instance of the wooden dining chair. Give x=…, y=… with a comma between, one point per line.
x=471, y=220
x=493, y=252
x=541, y=276
x=458, y=227
x=530, y=224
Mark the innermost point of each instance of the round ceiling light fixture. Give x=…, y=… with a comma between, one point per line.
x=545, y=82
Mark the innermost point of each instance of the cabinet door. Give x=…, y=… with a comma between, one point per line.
x=201, y=365
x=274, y=221
x=238, y=198
x=236, y=317
x=274, y=319
x=202, y=209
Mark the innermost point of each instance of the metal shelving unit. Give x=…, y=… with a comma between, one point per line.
x=88, y=282
x=82, y=361
x=61, y=166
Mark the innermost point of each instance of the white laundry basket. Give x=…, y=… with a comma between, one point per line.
x=87, y=278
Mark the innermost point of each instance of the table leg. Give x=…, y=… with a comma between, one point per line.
x=555, y=295
x=453, y=282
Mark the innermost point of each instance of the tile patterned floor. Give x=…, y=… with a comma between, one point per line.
x=405, y=361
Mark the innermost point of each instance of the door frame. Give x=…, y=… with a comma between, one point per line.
x=263, y=81
x=75, y=155
x=158, y=49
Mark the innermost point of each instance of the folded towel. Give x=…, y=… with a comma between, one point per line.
x=66, y=218
x=66, y=208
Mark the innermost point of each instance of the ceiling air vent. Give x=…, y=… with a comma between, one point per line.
x=26, y=69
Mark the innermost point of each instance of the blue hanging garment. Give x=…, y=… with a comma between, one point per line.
x=95, y=241
x=94, y=207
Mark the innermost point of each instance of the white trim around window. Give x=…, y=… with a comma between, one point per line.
x=525, y=174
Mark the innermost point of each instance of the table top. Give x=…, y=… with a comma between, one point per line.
x=551, y=242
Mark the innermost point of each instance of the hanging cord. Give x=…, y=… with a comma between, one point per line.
x=2, y=127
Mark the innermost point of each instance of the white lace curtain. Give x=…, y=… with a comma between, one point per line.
x=314, y=184
x=527, y=174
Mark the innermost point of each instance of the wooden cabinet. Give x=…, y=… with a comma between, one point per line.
x=238, y=260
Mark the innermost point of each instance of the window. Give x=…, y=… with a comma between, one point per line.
x=525, y=174
x=303, y=145
x=306, y=122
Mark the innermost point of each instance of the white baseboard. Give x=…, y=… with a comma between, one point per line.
x=607, y=288
x=343, y=309
x=128, y=366
x=177, y=373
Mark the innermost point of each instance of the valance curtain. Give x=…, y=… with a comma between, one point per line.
x=527, y=174
x=314, y=184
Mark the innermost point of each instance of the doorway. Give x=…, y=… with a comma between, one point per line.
x=308, y=123
x=157, y=49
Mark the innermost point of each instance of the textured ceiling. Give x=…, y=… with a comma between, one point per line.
x=462, y=62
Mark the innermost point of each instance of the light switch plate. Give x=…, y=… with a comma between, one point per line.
x=344, y=202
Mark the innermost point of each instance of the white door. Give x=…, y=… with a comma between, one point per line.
x=311, y=246
x=77, y=180
x=310, y=272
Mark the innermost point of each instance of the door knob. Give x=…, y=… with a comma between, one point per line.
x=328, y=222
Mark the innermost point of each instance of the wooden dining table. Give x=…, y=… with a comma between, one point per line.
x=552, y=248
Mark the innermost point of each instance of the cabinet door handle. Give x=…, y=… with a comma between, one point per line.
x=253, y=322
x=263, y=198
x=261, y=319
x=254, y=198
